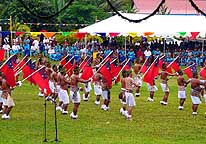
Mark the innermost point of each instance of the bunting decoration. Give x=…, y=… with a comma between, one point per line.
x=113, y=34
x=49, y=34
x=80, y=35
x=182, y=34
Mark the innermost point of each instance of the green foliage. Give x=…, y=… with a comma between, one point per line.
x=152, y=123
x=80, y=12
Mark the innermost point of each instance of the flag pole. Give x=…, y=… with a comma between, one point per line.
x=122, y=68
x=106, y=57
x=6, y=61
x=19, y=63
x=32, y=73
x=172, y=61
x=99, y=68
x=83, y=61
x=113, y=60
x=142, y=65
x=68, y=61
x=188, y=66
x=63, y=58
x=85, y=64
x=20, y=70
x=149, y=67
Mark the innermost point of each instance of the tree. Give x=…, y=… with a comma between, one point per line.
x=164, y=10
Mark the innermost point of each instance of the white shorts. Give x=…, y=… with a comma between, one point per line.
x=1, y=99
x=138, y=80
x=58, y=88
x=75, y=96
x=204, y=98
x=105, y=94
x=8, y=102
x=97, y=90
x=88, y=87
x=63, y=96
x=164, y=87
x=51, y=86
x=151, y=88
x=182, y=94
x=195, y=100
x=130, y=99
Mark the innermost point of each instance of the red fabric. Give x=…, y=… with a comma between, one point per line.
x=203, y=73
x=83, y=64
x=175, y=66
x=8, y=72
x=160, y=63
x=107, y=75
x=87, y=73
x=194, y=35
x=63, y=62
x=19, y=33
x=113, y=34
x=188, y=72
x=41, y=79
x=127, y=67
x=68, y=66
x=27, y=70
x=151, y=74
x=80, y=35
x=2, y=52
x=115, y=71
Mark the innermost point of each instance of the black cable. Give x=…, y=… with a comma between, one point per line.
x=139, y=20
x=196, y=7
x=46, y=17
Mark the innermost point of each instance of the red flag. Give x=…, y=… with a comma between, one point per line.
x=145, y=66
x=161, y=61
x=152, y=73
x=189, y=70
x=107, y=75
x=203, y=73
x=65, y=60
x=28, y=69
x=41, y=79
x=2, y=52
x=174, y=64
x=115, y=71
x=127, y=67
x=8, y=72
x=87, y=73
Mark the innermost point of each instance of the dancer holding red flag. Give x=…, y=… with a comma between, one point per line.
x=74, y=91
x=182, y=83
x=164, y=83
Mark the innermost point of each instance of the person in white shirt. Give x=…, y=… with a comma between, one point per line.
x=15, y=49
x=147, y=53
x=6, y=47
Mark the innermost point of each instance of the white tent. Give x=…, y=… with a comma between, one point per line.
x=159, y=24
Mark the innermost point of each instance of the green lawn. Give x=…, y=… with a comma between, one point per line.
x=152, y=122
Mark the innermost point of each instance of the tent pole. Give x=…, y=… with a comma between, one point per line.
x=164, y=45
x=203, y=46
x=125, y=46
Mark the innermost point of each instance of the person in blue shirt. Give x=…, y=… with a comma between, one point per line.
x=131, y=55
x=27, y=46
x=121, y=53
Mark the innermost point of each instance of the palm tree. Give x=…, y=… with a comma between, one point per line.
x=164, y=10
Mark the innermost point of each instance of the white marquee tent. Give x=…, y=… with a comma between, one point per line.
x=161, y=25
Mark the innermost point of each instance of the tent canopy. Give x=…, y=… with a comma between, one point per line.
x=161, y=25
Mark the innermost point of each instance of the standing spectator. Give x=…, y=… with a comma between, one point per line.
x=147, y=53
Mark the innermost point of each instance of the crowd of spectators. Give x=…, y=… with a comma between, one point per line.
x=188, y=51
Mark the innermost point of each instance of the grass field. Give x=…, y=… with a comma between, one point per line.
x=152, y=122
